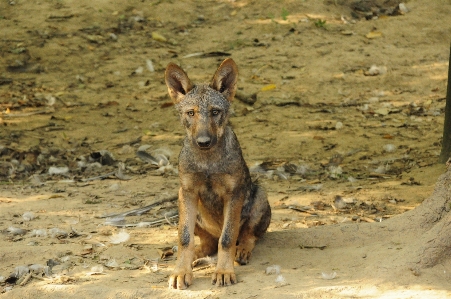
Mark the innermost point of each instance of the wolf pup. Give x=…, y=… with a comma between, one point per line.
x=217, y=199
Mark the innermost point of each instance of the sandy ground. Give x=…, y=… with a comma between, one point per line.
x=345, y=135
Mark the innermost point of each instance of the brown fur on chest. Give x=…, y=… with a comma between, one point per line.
x=211, y=191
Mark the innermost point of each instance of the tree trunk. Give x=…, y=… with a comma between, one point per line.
x=446, y=141
x=424, y=233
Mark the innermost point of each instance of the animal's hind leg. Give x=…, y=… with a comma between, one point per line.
x=246, y=242
x=208, y=244
x=254, y=227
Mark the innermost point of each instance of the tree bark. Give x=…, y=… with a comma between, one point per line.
x=446, y=141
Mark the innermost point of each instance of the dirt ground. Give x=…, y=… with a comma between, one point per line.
x=344, y=135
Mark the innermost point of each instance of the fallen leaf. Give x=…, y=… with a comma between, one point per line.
x=167, y=104
x=107, y=104
x=269, y=87
x=165, y=252
x=158, y=37
x=366, y=219
x=373, y=34
x=382, y=111
x=86, y=251
x=347, y=32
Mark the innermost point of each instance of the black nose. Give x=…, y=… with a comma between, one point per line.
x=203, y=141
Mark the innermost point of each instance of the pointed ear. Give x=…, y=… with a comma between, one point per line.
x=177, y=82
x=225, y=79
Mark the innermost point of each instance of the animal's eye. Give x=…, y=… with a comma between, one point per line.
x=215, y=111
x=190, y=113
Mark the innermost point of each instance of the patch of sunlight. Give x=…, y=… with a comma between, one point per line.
x=23, y=199
x=369, y=291
x=307, y=134
x=439, y=77
x=434, y=65
x=296, y=18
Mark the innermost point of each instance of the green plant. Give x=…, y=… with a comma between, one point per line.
x=284, y=14
x=320, y=23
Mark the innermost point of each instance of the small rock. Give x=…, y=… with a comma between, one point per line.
x=58, y=170
x=339, y=203
x=389, y=148
x=329, y=276
x=274, y=269
x=376, y=70
x=27, y=216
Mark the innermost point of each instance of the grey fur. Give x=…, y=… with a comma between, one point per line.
x=232, y=211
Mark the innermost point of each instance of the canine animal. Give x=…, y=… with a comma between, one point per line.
x=217, y=199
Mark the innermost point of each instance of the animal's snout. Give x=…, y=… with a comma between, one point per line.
x=203, y=142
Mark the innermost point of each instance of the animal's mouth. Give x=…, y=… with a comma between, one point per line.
x=205, y=148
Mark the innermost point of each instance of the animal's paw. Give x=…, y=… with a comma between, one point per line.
x=180, y=279
x=223, y=278
x=243, y=254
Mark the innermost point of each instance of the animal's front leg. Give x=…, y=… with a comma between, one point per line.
x=182, y=276
x=224, y=274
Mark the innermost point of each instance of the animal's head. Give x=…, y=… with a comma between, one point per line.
x=203, y=108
